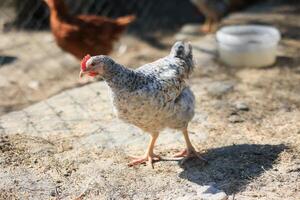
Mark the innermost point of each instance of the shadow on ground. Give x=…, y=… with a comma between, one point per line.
x=7, y=60
x=231, y=168
x=284, y=62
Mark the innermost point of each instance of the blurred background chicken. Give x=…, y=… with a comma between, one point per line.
x=214, y=10
x=79, y=34
x=152, y=97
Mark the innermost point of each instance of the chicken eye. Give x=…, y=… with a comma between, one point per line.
x=93, y=64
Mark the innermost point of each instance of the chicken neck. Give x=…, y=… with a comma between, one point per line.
x=119, y=77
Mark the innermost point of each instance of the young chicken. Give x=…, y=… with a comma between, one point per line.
x=153, y=97
x=79, y=34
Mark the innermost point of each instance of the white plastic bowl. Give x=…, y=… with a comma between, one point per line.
x=248, y=45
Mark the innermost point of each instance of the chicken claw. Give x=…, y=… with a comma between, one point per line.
x=189, y=153
x=141, y=160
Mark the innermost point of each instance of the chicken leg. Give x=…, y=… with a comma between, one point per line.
x=190, y=151
x=149, y=156
x=209, y=26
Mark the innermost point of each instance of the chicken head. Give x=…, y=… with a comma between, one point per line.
x=95, y=65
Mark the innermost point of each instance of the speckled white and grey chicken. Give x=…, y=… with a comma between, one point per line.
x=153, y=97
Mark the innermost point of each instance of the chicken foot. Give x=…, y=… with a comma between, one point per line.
x=190, y=151
x=149, y=156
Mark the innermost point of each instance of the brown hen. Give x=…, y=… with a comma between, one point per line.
x=84, y=34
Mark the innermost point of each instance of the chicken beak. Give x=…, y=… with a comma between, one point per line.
x=81, y=74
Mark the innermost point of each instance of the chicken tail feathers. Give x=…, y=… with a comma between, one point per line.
x=126, y=20
x=184, y=51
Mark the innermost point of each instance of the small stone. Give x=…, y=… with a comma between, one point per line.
x=219, y=88
x=66, y=174
x=212, y=193
x=233, y=112
x=241, y=106
x=53, y=193
x=235, y=119
x=34, y=85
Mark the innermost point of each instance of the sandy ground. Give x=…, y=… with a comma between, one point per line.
x=253, y=152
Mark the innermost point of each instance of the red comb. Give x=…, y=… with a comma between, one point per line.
x=83, y=62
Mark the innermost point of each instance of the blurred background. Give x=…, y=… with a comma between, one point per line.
x=33, y=67
x=152, y=15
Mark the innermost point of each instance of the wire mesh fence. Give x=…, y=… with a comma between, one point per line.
x=151, y=15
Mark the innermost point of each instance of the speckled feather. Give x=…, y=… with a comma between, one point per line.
x=154, y=96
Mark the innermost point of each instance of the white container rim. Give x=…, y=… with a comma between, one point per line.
x=237, y=35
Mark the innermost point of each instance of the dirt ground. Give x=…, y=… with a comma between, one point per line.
x=253, y=146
